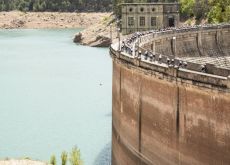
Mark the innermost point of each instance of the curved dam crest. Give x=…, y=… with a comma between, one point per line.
x=171, y=97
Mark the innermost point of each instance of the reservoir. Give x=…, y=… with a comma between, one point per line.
x=54, y=95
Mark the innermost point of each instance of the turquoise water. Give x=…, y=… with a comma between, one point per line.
x=54, y=95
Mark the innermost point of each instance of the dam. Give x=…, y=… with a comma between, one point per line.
x=171, y=97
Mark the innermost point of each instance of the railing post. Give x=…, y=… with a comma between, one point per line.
x=174, y=46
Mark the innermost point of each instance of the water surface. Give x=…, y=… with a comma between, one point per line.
x=54, y=95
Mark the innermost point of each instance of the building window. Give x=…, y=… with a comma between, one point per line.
x=142, y=9
x=153, y=21
x=153, y=9
x=170, y=9
x=142, y=21
x=130, y=21
x=130, y=9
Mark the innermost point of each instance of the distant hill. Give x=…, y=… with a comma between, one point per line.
x=57, y=5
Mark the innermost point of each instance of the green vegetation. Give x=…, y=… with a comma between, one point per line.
x=27, y=158
x=53, y=160
x=215, y=11
x=64, y=157
x=75, y=157
x=56, y=5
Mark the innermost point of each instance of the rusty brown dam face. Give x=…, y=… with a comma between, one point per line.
x=171, y=97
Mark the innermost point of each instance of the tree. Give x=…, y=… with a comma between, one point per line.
x=187, y=7
x=219, y=11
x=215, y=14
x=201, y=9
x=55, y=5
x=75, y=157
x=215, y=11
x=226, y=15
x=23, y=5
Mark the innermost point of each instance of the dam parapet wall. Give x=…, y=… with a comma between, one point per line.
x=143, y=51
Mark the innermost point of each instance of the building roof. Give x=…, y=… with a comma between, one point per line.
x=152, y=3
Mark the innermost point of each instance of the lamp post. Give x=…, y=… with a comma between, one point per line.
x=119, y=40
x=111, y=35
x=118, y=34
x=154, y=47
x=174, y=45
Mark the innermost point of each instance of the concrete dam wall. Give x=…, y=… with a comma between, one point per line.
x=171, y=97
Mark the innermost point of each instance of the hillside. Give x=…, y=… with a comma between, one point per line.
x=17, y=19
x=57, y=5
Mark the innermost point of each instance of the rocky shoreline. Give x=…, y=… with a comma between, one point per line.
x=37, y=20
x=21, y=162
x=101, y=34
x=98, y=27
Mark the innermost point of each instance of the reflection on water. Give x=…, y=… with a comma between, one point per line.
x=109, y=115
x=104, y=157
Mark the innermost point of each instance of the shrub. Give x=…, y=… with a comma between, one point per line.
x=75, y=157
x=53, y=160
x=64, y=157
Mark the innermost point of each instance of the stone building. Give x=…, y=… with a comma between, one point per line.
x=148, y=16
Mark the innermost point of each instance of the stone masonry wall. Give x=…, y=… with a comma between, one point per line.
x=156, y=121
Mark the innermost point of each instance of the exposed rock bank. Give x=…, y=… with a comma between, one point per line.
x=17, y=19
x=99, y=34
x=98, y=27
x=21, y=162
